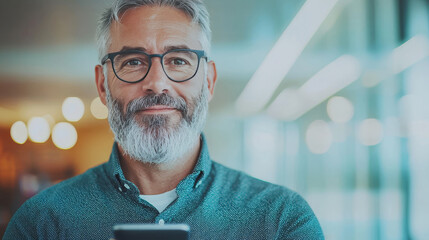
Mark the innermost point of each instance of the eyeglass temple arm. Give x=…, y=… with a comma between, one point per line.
x=104, y=59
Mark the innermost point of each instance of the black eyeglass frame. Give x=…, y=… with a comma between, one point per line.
x=111, y=56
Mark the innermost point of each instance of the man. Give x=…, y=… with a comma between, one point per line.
x=156, y=79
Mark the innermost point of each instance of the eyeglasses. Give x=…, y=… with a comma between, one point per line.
x=132, y=66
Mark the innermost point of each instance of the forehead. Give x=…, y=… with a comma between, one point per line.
x=154, y=28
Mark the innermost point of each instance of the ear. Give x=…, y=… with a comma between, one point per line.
x=99, y=82
x=211, y=78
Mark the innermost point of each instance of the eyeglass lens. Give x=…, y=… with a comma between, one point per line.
x=178, y=65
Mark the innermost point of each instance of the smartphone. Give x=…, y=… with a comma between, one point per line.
x=151, y=231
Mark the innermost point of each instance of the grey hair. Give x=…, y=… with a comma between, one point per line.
x=195, y=9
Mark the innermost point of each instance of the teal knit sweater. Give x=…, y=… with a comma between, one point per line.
x=215, y=201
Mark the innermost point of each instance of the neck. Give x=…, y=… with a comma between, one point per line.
x=159, y=178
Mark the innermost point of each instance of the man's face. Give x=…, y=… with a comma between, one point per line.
x=155, y=30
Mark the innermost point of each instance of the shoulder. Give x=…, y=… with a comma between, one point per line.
x=251, y=188
x=285, y=209
x=73, y=187
x=42, y=210
x=69, y=189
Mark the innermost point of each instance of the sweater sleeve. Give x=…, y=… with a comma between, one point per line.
x=298, y=222
x=31, y=221
x=21, y=226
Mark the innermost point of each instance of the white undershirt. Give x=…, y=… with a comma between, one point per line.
x=161, y=201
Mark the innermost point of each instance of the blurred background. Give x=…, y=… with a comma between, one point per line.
x=325, y=97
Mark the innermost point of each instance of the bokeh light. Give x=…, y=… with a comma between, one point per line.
x=98, y=109
x=370, y=132
x=340, y=109
x=38, y=129
x=319, y=137
x=64, y=135
x=73, y=109
x=410, y=107
x=18, y=132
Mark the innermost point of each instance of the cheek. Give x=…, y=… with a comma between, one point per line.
x=193, y=86
x=189, y=89
x=123, y=91
x=191, y=96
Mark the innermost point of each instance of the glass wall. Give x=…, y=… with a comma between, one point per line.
x=357, y=154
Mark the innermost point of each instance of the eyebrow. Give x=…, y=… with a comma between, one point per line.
x=127, y=48
x=166, y=49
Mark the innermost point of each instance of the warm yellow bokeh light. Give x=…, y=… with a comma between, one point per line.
x=64, y=135
x=98, y=109
x=73, y=109
x=18, y=132
x=38, y=129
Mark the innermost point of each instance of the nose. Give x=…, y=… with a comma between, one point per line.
x=156, y=81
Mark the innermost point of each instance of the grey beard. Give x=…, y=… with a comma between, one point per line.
x=152, y=138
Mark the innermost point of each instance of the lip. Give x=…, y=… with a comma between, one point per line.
x=158, y=109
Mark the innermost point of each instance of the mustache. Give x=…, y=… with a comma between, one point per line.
x=145, y=102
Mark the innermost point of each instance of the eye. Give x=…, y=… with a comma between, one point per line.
x=179, y=61
x=133, y=62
